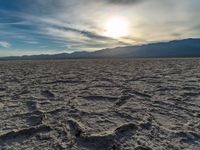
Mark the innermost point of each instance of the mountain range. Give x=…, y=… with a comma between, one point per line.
x=176, y=48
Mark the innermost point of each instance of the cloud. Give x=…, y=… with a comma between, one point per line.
x=124, y=1
x=77, y=39
x=31, y=42
x=86, y=33
x=177, y=35
x=5, y=44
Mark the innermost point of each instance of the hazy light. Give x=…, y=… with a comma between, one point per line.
x=116, y=27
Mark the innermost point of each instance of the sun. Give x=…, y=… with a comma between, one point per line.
x=116, y=27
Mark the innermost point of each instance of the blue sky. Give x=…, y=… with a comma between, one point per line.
x=54, y=26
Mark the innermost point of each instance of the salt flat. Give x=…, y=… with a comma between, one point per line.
x=100, y=104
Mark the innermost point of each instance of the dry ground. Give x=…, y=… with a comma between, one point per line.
x=105, y=104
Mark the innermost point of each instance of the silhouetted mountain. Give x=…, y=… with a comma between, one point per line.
x=177, y=48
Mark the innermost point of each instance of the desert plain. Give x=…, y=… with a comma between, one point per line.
x=100, y=104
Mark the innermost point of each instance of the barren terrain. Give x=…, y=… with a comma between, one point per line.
x=102, y=104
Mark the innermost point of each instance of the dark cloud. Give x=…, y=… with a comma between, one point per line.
x=88, y=34
x=135, y=39
x=196, y=28
x=94, y=40
x=176, y=34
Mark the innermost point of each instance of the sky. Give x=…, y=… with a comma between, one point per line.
x=29, y=27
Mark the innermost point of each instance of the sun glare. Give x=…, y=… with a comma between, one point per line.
x=116, y=27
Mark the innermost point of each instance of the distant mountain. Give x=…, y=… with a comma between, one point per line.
x=177, y=48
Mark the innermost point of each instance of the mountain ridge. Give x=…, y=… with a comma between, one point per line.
x=176, y=48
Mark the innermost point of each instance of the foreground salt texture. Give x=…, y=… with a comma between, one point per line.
x=100, y=104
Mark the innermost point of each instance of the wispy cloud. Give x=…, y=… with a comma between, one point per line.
x=5, y=44
x=32, y=42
